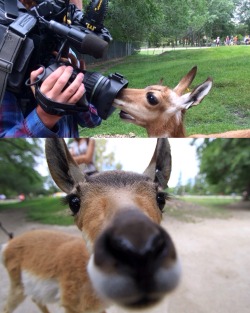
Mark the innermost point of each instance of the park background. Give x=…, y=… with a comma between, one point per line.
x=164, y=23
x=165, y=39
x=205, y=215
x=211, y=172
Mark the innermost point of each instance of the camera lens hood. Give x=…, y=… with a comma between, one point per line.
x=101, y=91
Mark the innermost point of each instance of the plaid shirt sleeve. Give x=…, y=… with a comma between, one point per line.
x=90, y=118
x=14, y=125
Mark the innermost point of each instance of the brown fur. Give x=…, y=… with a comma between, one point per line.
x=230, y=134
x=172, y=127
x=109, y=190
x=51, y=254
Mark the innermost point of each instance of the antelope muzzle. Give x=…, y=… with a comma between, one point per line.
x=134, y=262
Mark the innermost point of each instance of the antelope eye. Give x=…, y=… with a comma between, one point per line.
x=152, y=99
x=161, y=200
x=74, y=203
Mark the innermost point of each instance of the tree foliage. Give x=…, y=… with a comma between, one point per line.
x=243, y=11
x=105, y=160
x=18, y=159
x=219, y=17
x=226, y=164
x=133, y=20
x=161, y=21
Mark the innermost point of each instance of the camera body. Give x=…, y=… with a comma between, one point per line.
x=61, y=25
x=100, y=91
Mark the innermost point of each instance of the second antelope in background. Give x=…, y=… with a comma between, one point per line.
x=125, y=256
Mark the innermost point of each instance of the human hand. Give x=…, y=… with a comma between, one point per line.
x=53, y=88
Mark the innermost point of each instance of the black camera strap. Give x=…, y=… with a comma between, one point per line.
x=57, y=108
x=11, y=9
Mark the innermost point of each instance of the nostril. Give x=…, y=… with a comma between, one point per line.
x=120, y=247
x=132, y=250
x=159, y=244
x=153, y=246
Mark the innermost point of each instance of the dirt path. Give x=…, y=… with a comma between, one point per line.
x=215, y=256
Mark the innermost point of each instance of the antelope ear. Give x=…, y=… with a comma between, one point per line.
x=186, y=81
x=63, y=168
x=159, y=168
x=197, y=95
x=161, y=82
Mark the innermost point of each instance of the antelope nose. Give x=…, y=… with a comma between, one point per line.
x=134, y=240
x=137, y=248
x=140, y=257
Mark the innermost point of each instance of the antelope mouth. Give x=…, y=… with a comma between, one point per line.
x=120, y=104
x=126, y=116
x=144, y=302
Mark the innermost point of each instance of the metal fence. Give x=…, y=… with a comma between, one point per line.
x=116, y=50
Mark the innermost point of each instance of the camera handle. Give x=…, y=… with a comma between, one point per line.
x=57, y=108
x=52, y=107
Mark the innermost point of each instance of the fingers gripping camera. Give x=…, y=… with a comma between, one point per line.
x=100, y=91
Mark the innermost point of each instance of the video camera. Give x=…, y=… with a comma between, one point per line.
x=71, y=28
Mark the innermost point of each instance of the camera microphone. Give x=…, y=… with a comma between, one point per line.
x=85, y=43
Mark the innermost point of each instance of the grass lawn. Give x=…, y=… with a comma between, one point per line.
x=227, y=107
x=45, y=210
x=190, y=208
x=48, y=210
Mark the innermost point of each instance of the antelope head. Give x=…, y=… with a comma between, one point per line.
x=133, y=261
x=160, y=109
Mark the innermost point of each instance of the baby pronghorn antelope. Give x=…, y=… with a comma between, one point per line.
x=125, y=256
x=161, y=110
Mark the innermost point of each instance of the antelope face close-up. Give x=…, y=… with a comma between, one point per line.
x=133, y=261
x=159, y=109
x=143, y=106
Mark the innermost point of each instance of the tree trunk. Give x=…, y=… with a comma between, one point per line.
x=246, y=194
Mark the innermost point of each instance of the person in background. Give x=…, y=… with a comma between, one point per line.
x=227, y=41
x=83, y=152
x=217, y=41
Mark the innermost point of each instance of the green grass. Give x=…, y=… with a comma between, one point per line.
x=46, y=210
x=210, y=201
x=227, y=107
x=193, y=208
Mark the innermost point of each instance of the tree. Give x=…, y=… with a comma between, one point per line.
x=175, y=20
x=18, y=159
x=105, y=161
x=200, y=186
x=243, y=12
x=220, y=17
x=132, y=20
x=170, y=21
x=226, y=165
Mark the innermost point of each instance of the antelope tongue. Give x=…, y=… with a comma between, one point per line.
x=125, y=116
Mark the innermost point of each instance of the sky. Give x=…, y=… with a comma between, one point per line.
x=135, y=154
